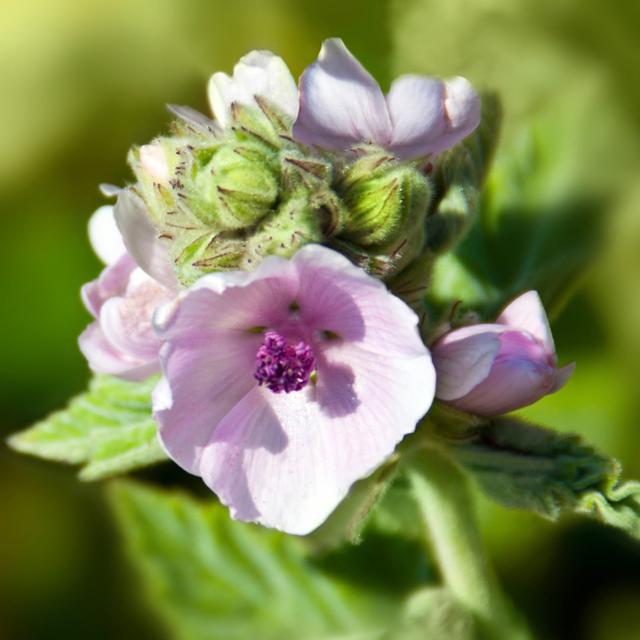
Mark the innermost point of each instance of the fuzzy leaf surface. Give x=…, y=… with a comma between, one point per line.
x=524, y=466
x=210, y=577
x=108, y=429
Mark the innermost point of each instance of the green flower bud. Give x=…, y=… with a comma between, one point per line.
x=383, y=199
x=225, y=199
x=236, y=188
x=296, y=223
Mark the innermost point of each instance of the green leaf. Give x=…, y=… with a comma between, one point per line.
x=210, y=577
x=434, y=614
x=108, y=429
x=523, y=466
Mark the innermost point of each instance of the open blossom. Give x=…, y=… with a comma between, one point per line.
x=122, y=300
x=284, y=385
x=490, y=369
x=341, y=105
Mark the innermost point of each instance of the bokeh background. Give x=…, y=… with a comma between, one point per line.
x=81, y=81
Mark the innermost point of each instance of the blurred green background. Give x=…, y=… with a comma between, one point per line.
x=81, y=81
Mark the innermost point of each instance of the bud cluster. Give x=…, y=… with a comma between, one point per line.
x=224, y=198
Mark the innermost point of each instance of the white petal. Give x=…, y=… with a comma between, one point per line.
x=340, y=102
x=141, y=239
x=104, y=235
x=109, y=190
x=258, y=73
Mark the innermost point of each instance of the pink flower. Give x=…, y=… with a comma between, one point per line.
x=259, y=73
x=285, y=385
x=490, y=369
x=341, y=105
x=122, y=300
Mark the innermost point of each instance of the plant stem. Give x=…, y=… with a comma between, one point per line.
x=445, y=502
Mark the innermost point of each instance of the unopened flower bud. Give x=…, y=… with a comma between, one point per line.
x=490, y=369
x=236, y=188
x=383, y=199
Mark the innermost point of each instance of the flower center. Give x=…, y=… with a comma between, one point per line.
x=281, y=366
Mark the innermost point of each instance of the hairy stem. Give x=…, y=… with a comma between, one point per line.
x=445, y=502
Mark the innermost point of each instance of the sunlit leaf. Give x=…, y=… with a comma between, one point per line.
x=210, y=577
x=108, y=429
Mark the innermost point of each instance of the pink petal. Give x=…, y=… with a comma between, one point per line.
x=512, y=384
x=287, y=460
x=103, y=357
x=340, y=102
x=207, y=379
x=431, y=115
x=104, y=235
x=527, y=313
x=141, y=239
x=234, y=300
x=463, y=359
x=416, y=105
x=112, y=282
x=463, y=108
x=258, y=73
x=562, y=376
x=126, y=320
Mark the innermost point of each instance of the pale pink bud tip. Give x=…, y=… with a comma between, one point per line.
x=490, y=369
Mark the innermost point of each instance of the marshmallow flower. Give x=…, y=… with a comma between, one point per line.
x=284, y=385
x=490, y=369
x=122, y=300
x=341, y=105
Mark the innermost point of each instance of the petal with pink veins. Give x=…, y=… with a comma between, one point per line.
x=340, y=102
x=463, y=362
x=285, y=456
x=111, y=282
x=286, y=461
x=103, y=357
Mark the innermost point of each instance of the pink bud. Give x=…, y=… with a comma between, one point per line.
x=154, y=162
x=490, y=369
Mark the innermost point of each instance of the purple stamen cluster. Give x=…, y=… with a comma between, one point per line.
x=281, y=366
